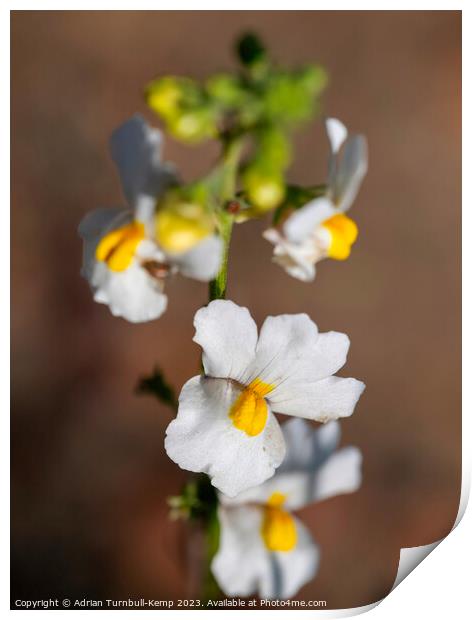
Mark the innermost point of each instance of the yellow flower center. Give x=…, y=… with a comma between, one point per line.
x=343, y=232
x=278, y=530
x=249, y=412
x=180, y=232
x=118, y=247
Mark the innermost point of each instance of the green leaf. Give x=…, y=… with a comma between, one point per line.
x=157, y=385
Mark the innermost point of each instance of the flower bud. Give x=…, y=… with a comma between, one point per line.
x=274, y=148
x=287, y=99
x=165, y=95
x=181, y=223
x=250, y=49
x=193, y=125
x=265, y=188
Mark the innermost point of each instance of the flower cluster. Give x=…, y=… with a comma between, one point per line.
x=255, y=470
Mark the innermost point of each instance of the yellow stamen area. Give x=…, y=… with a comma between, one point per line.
x=118, y=247
x=249, y=412
x=343, y=233
x=278, y=530
x=178, y=232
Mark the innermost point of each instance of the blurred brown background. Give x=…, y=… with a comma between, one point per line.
x=89, y=473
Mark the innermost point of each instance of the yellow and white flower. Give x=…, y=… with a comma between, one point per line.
x=225, y=424
x=123, y=261
x=266, y=550
x=321, y=229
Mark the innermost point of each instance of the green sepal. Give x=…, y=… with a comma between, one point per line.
x=295, y=198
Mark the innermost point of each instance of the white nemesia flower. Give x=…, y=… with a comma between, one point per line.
x=264, y=549
x=122, y=261
x=225, y=424
x=320, y=229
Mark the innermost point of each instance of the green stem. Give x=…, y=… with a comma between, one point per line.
x=230, y=164
x=218, y=285
x=217, y=290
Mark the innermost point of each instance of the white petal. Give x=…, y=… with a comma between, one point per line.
x=202, y=262
x=291, y=570
x=131, y=294
x=242, y=557
x=352, y=168
x=306, y=446
x=202, y=438
x=298, y=259
x=340, y=473
x=228, y=336
x=291, y=352
x=136, y=148
x=96, y=222
x=307, y=449
x=243, y=566
x=324, y=400
x=302, y=222
x=337, y=133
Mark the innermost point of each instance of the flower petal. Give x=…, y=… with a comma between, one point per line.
x=228, y=336
x=241, y=558
x=337, y=133
x=92, y=227
x=291, y=570
x=324, y=400
x=307, y=449
x=302, y=222
x=243, y=565
x=203, y=438
x=291, y=352
x=307, y=446
x=202, y=262
x=131, y=294
x=340, y=473
x=298, y=259
x=136, y=149
x=352, y=168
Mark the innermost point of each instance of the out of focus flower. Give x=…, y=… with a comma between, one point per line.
x=321, y=229
x=123, y=262
x=264, y=549
x=225, y=426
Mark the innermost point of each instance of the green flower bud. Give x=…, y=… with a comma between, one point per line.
x=193, y=125
x=287, y=100
x=167, y=95
x=265, y=188
x=250, y=49
x=274, y=148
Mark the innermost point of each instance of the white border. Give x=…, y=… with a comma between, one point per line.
x=441, y=584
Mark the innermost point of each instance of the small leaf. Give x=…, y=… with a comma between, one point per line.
x=157, y=385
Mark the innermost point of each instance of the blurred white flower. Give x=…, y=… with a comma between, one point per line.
x=320, y=229
x=266, y=550
x=225, y=426
x=122, y=261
